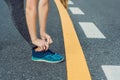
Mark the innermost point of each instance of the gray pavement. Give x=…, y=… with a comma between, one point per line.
x=106, y=15
x=15, y=52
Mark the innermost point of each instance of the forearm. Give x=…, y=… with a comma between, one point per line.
x=43, y=14
x=31, y=22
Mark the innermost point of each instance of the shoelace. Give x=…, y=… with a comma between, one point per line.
x=49, y=52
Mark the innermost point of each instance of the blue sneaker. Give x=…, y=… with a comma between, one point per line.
x=46, y=56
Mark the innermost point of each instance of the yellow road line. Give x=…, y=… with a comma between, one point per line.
x=77, y=68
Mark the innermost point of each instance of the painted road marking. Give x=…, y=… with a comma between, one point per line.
x=76, y=10
x=111, y=72
x=76, y=64
x=90, y=30
x=70, y=2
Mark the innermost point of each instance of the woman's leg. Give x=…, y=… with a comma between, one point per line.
x=17, y=13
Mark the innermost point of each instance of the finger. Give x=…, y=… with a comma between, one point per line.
x=47, y=46
x=51, y=41
x=44, y=47
x=38, y=49
x=48, y=40
x=41, y=48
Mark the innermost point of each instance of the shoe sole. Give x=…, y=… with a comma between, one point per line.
x=41, y=60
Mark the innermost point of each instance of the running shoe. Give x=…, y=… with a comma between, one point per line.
x=46, y=56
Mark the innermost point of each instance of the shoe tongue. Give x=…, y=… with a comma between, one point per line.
x=43, y=53
x=49, y=52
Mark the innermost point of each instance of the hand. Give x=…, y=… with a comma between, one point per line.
x=47, y=38
x=41, y=44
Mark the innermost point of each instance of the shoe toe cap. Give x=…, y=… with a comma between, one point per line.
x=58, y=56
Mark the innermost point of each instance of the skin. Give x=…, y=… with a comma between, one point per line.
x=31, y=14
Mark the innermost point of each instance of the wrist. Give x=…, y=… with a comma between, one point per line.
x=42, y=33
x=33, y=39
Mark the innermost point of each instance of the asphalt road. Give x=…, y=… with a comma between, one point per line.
x=106, y=15
x=15, y=52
